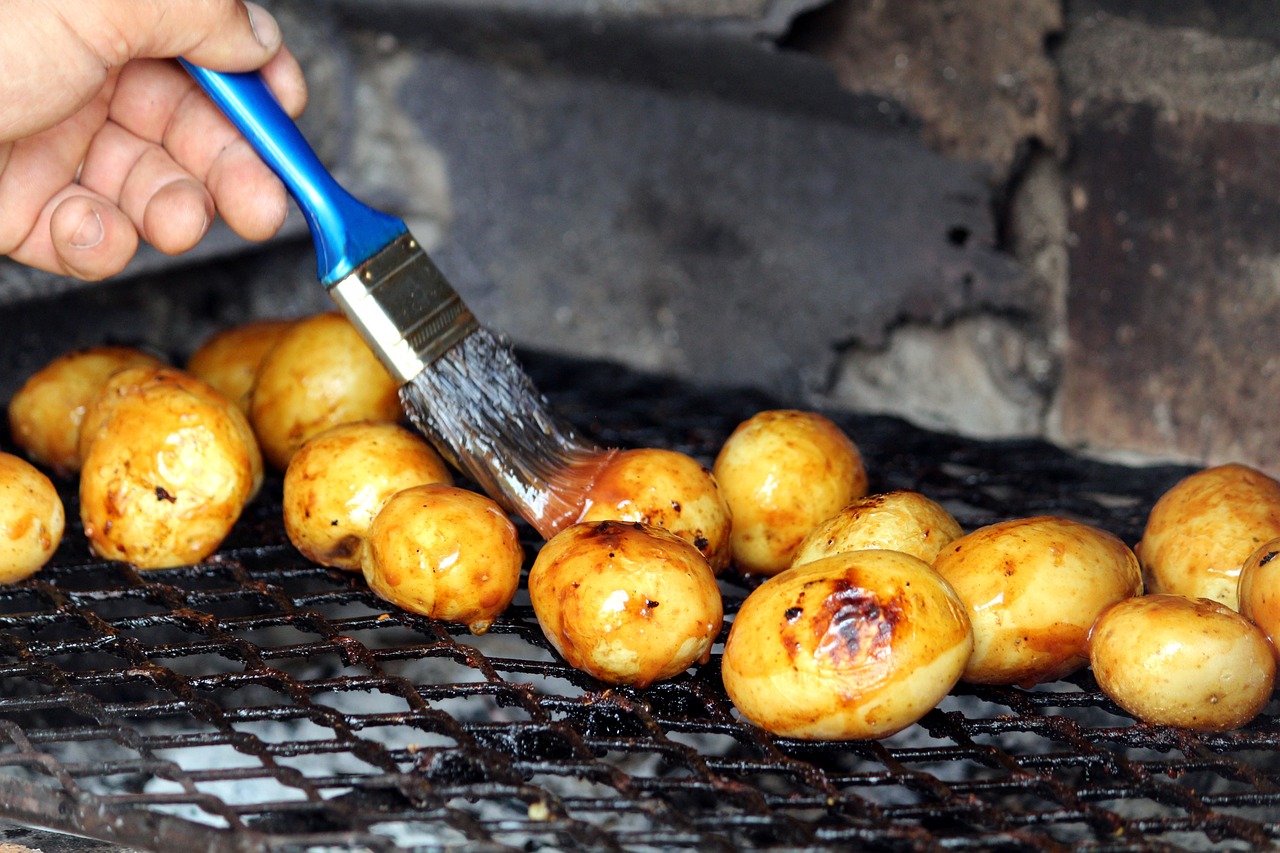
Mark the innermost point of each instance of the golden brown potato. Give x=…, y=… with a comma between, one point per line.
x=625, y=602
x=341, y=477
x=32, y=519
x=1260, y=591
x=229, y=359
x=783, y=472
x=444, y=552
x=857, y=645
x=1175, y=661
x=903, y=521
x=664, y=489
x=130, y=381
x=1033, y=587
x=46, y=412
x=319, y=374
x=167, y=471
x=1200, y=532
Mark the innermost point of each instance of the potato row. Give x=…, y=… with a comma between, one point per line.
x=871, y=609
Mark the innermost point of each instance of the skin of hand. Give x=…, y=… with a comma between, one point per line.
x=105, y=140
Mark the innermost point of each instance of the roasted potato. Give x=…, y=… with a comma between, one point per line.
x=903, y=521
x=1260, y=591
x=229, y=359
x=1175, y=661
x=168, y=467
x=339, y=480
x=1200, y=532
x=782, y=473
x=1033, y=587
x=444, y=552
x=665, y=489
x=625, y=602
x=46, y=412
x=857, y=645
x=32, y=519
x=319, y=374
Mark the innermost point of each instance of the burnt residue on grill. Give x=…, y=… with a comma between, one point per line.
x=260, y=702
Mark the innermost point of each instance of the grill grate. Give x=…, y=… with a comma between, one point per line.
x=258, y=702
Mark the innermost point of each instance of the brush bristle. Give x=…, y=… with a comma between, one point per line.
x=484, y=414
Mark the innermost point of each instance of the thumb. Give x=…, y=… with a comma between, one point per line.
x=225, y=35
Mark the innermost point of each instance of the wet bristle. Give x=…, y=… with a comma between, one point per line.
x=481, y=410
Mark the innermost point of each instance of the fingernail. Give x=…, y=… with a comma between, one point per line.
x=265, y=28
x=90, y=232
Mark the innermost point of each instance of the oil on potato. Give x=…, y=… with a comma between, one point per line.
x=46, y=412
x=32, y=519
x=446, y=553
x=903, y=521
x=1201, y=530
x=857, y=645
x=339, y=480
x=783, y=472
x=1260, y=591
x=1033, y=588
x=664, y=489
x=1176, y=661
x=229, y=359
x=625, y=602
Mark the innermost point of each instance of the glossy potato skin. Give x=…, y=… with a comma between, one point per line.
x=1033, y=588
x=229, y=359
x=1260, y=591
x=446, y=553
x=1177, y=661
x=319, y=374
x=46, y=412
x=625, y=602
x=167, y=471
x=783, y=472
x=903, y=521
x=667, y=489
x=32, y=519
x=1200, y=532
x=854, y=646
x=339, y=480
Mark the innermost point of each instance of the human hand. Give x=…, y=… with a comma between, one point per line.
x=105, y=140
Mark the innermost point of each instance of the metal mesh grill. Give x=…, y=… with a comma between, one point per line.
x=258, y=702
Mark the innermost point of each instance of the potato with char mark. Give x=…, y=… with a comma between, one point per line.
x=32, y=519
x=1033, y=587
x=339, y=480
x=444, y=552
x=782, y=473
x=857, y=645
x=625, y=602
x=903, y=521
x=666, y=489
x=1260, y=591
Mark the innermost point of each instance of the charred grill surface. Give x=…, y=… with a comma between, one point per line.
x=258, y=702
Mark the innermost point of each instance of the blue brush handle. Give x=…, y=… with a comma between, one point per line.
x=346, y=232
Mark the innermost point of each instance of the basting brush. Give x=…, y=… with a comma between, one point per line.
x=459, y=384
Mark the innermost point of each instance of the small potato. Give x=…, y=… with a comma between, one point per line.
x=857, y=645
x=446, y=553
x=903, y=521
x=664, y=489
x=229, y=359
x=319, y=374
x=32, y=519
x=1176, y=661
x=1200, y=532
x=1033, y=587
x=783, y=472
x=1260, y=591
x=168, y=468
x=46, y=412
x=341, y=477
x=625, y=602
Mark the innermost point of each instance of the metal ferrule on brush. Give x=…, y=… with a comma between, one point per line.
x=403, y=307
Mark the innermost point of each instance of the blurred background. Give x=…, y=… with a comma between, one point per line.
x=994, y=217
